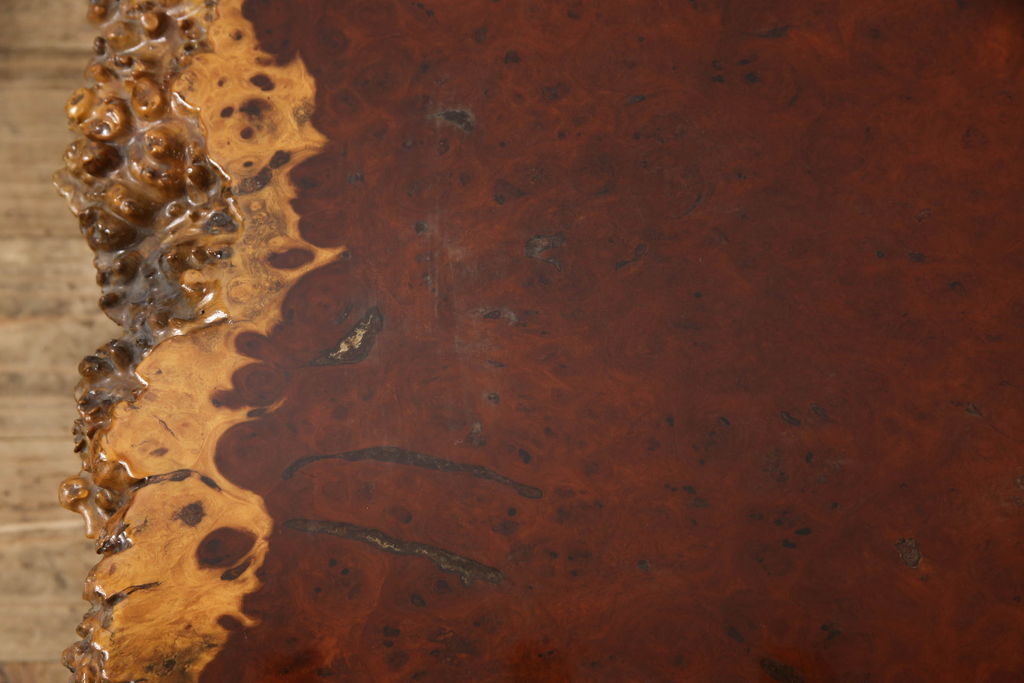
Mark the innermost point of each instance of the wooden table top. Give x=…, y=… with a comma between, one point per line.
x=555, y=341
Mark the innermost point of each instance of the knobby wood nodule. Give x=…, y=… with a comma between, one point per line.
x=552, y=341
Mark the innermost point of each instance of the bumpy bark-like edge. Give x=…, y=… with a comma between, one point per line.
x=183, y=207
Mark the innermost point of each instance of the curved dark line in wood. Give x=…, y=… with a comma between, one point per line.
x=121, y=595
x=177, y=475
x=400, y=456
x=466, y=568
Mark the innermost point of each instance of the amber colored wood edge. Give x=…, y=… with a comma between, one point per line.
x=171, y=202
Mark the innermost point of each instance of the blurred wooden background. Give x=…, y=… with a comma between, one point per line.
x=48, y=321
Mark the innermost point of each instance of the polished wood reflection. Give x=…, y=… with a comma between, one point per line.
x=592, y=341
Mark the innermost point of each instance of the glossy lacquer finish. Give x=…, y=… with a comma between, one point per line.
x=692, y=346
x=665, y=341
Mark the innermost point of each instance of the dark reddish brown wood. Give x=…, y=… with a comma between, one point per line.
x=683, y=344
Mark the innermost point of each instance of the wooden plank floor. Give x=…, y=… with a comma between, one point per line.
x=48, y=321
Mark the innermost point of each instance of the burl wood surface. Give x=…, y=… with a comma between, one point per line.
x=584, y=341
